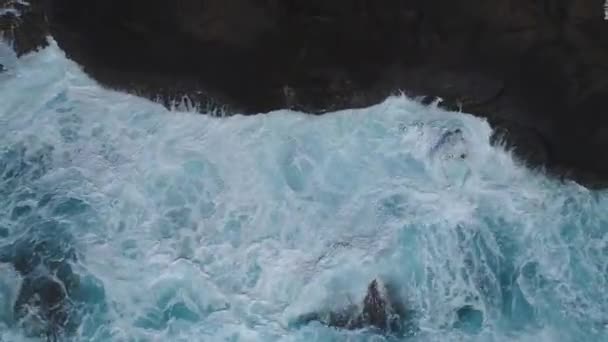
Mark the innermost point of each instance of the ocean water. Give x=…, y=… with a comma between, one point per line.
x=174, y=226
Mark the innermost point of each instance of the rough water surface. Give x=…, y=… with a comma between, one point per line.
x=172, y=226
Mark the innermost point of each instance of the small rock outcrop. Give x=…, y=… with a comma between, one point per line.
x=380, y=311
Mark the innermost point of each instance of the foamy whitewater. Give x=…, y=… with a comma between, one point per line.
x=187, y=227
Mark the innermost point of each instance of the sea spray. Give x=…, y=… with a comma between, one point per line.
x=185, y=227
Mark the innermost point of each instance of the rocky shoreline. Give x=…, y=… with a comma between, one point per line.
x=537, y=70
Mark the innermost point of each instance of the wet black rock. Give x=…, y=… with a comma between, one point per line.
x=24, y=26
x=538, y=66
x=381, y=310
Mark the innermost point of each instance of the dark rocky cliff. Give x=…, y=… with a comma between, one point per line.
x=537, y=69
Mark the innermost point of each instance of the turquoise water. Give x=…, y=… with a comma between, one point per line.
x=173, y=226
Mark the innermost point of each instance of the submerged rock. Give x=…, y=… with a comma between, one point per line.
x=538, y=66
x=451, y=152
x=43, y=306
x=452, y=143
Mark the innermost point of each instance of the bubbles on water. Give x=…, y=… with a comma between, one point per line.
x=155, y=226
x=182, y=295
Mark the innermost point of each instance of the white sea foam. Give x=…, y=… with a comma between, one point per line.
x=193, y=228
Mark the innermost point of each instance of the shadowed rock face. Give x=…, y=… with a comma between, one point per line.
x=26, y=27
x=537, y=69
